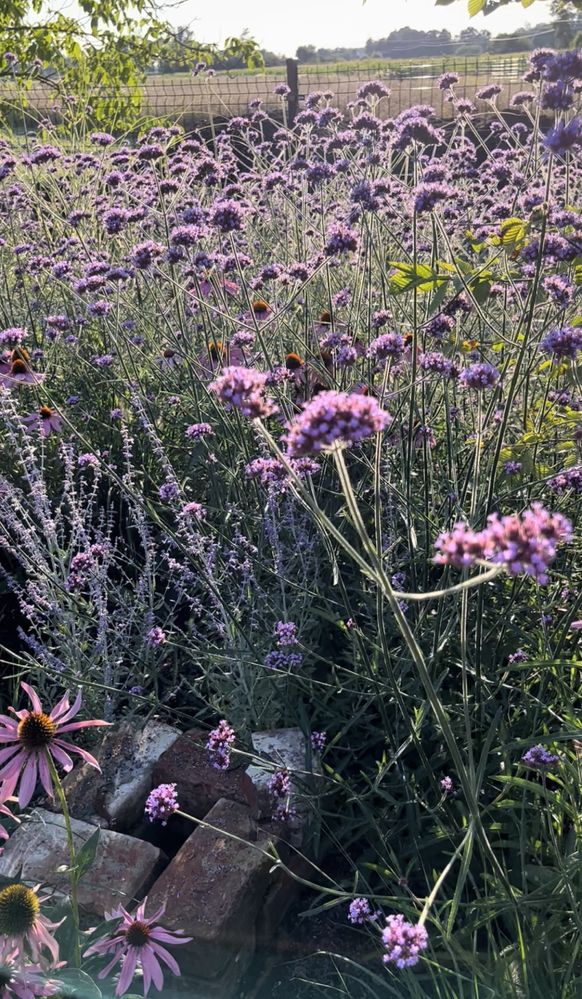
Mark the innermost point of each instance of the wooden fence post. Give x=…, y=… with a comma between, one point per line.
x=293, y=84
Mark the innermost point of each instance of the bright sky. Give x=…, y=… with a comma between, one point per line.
x=282, y=26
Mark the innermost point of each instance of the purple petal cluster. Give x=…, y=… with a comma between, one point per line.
x=335, y=418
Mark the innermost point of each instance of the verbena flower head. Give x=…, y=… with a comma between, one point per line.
x=219, y=744
x=360, y=911
x=564, y=138
x=539, y=758
x=161, y=803
x=156, y=636
x=335, y=418
x=569, y=479
x=564, y=343
x=318, y=741
x=479, y=376
x=286, y=633
x=31, y=737
x=138, y=942
x=446, y=785
x=244, y=389
x=280, y=784
x=403, y=942
x=23, y=928
x=340, y=239
x=447, y=80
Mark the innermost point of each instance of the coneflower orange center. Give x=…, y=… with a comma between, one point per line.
x=46, y=412
x=36, y=730
x=19, y=367
x=138, y=934
x=19, y=909
x=260, y=306
x=216, y=350
x=20, y=354
x=293, y=361
x=325, y=317
x=169, y=352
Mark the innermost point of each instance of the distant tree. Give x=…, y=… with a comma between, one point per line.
x=101, y=54
x=307, y=54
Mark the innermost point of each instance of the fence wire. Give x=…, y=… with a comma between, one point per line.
x=192, y=100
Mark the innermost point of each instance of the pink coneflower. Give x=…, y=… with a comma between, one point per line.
x=139, y=943
x=26, y=982
x=24, y=929
x=46, y=419
x=30, y=738
x=20, y=373
x=4, y=834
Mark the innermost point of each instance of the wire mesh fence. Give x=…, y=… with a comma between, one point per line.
x=192, y=100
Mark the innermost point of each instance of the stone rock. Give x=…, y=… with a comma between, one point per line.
x=286, y=748
x=214, y=888
x=199, y=784
x=116, y=796
x=123, y=868
x=283, y=891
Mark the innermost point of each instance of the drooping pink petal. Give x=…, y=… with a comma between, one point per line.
x=35, y=699
x=82, y=724
x=166, y=936
x=58, y=753
x=75, y=749
x=60, y=708
x=167, y=958
x=28, y=781
x=148, y=957
x=5, y=754
x=45, y=775
x=127, y=972
x=10, y=780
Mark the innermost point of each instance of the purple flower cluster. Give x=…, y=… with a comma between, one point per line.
x=244, y=389
x=161, y=803
x=563, y=343
x=387, y=346
x=479, y=376
x=156, y=636
x=219, y=745
x=335, y=418
x=286, y=633
x=403, y=942
x=359, y=912
x=539, y=758
x=569, y=479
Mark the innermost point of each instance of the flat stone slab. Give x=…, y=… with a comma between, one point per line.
x=116, y=797
x=199, y=784
x=213, y=889
x=121, y=872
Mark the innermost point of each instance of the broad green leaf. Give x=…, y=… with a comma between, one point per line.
x=474, y=6
x=77, y=984
x=527, y=3
x=417, y=276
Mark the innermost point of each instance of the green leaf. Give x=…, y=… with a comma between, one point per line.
x=78, y=984
x=578, y=273
x=474, y=6
x=527, y=3
x=417, y=276
x=86, y=854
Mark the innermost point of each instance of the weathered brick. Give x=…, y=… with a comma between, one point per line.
x=116, y=796
x=123, y=868
x=200, y=785
x=213, y=889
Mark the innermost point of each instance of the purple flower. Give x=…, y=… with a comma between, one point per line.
x=227, y=215
x=565, y=342
x=243, y=389
x=283, y=661
x=460, y=547
x=161, y=803
x=375, y=88
x=479, y=376
x=512, y=467
x=564, y=138
x=359, y=912
x=539, y=758
x=13, y=336
x=438, y=363
x=280, y=784
x=156, y=636
x=198, y=430
x=388, y=346
x=88, y=461
x=403, y=942
x=570, y=478
x=519, y=656
x=286, y=633
x=219, y=745
x=488, y=93
x=281, y=90
x=447, y=80
x=426, y=196
x=194, y=511
x=318, y=741
x=340, y=239
x=335, y=418
x=446, y=785
x=168, y=491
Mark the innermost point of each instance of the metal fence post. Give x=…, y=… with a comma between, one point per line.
x=293, y=84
